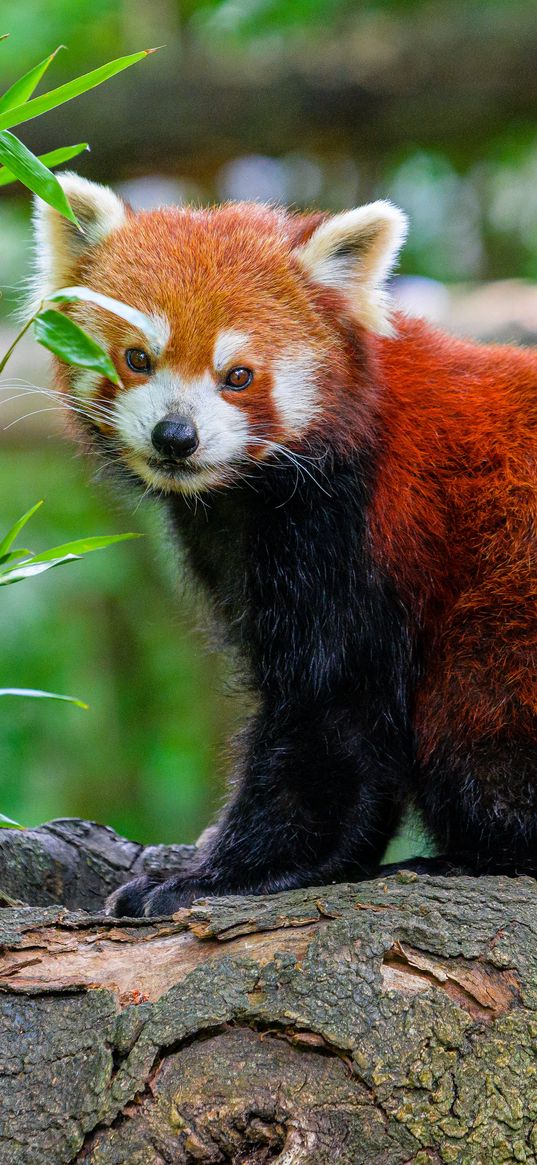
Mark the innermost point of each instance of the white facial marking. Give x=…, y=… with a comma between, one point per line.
x=160, y=333
x=295, y=391
x=138, y=410
x=228, y=347
x=222, y=428
x=154, y=326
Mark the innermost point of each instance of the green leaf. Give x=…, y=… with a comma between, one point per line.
x=81, y=546
x=7, y=823
x=9, y=538
x=62, y=336
x=12, y=555
x=55, y=97
x=17, y=574
x=57, y=556
x=138, y=319
x=52, y=158
x=24, y=87
x=29, y=170
x=38, y=695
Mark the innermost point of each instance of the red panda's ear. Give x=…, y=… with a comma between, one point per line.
x=59, y=244
x=353, y=253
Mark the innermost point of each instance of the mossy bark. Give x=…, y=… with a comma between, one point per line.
x=391, y=1022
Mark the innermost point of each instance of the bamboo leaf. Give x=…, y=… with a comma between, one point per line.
x=57, y=556
x=6, y=822
x=9, y=538
x=29, y=170
x=138, y=319
x=13, y=555
x=22, y=89
x=81, y=546
x=71, y=344
x=52, y=158
x=47, y=101
x=36, y=694
x=17, y=574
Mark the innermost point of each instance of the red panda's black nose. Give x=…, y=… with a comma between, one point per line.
x=175, y=437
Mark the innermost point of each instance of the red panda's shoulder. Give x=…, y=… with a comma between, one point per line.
x=436, y=383
x=459, y=439
x=429, y=351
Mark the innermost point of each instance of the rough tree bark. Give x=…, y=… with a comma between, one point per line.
x=391, y=1022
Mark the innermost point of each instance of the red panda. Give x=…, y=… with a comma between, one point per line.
x=366, y=526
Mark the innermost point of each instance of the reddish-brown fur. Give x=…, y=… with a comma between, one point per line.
x=455, y=520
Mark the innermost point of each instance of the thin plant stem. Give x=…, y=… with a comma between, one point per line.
x=22, y=332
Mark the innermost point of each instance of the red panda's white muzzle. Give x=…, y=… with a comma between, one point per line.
x=179, y=434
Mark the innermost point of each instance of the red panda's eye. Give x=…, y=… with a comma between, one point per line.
x=238, y=378
x=138, y=360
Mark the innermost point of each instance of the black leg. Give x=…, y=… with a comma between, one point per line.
x=318, y=802
x=479, y=801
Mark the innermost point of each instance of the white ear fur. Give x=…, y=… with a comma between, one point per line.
x=353, y=253
x=59, y=244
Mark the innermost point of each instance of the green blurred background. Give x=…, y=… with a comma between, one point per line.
x=310, y=102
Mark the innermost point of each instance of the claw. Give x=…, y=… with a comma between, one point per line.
x=129, y=901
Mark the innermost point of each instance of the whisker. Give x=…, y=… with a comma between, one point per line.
x=275, y=445
x=18, y=396
x=34, y=413
x=27, y=385
x=147, y=490
x=296, y=459
x=93, y=411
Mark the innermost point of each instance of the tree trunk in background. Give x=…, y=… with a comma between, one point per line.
x=390, y=1022
x=442, y=84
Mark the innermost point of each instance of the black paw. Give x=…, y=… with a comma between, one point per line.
x=146, y=897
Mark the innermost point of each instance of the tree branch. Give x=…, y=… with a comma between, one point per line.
x=390, y=1022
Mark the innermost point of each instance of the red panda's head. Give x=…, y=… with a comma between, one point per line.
x=250, y=312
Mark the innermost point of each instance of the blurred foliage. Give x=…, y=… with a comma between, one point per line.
x=144, y=757
x=447, y=93
x=93, y=26
x=102, y=25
